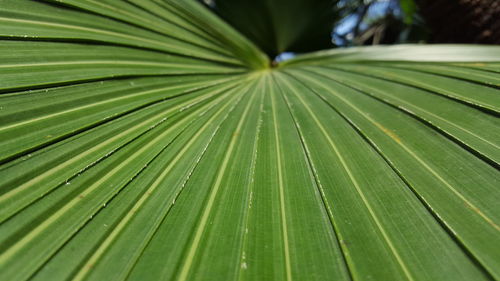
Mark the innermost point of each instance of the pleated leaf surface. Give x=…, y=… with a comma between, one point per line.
x=149, y=140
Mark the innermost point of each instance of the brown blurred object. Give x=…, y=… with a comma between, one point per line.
x=462, y=21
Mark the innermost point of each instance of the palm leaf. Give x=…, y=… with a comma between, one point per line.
x=148, y=140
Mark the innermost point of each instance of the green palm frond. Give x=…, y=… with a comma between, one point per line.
x=149, y=140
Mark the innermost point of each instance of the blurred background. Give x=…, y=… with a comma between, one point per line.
x=279, y=26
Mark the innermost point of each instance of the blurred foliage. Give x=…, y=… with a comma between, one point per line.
x=278, y=26
x=467, y=21
x=372, y=22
